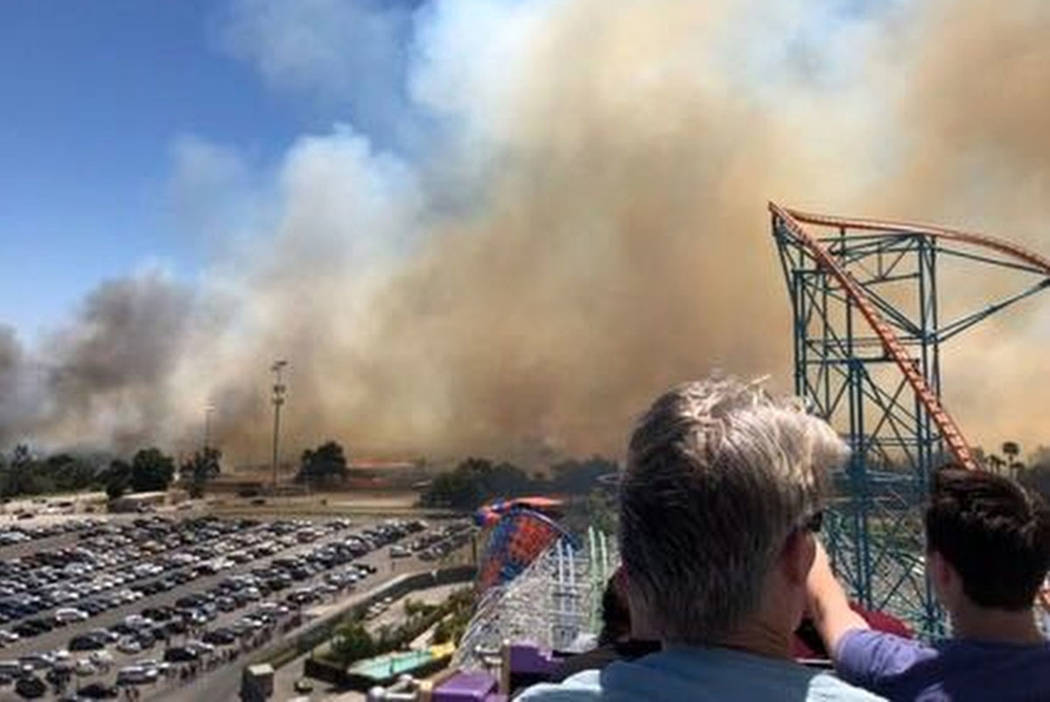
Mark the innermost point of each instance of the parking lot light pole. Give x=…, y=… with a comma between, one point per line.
x=208, y=409
x=278, y=399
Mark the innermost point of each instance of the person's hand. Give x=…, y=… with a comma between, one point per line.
x=826, y=602
x=821, y=577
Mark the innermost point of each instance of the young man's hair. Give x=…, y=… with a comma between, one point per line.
x=616, y=616
x=994, y=532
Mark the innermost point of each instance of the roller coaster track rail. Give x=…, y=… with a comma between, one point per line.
x=793, y=221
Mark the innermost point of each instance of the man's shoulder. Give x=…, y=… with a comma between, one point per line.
x=825, y=687
x=664, y=678
x=585, y=685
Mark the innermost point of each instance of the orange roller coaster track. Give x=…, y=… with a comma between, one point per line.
x=793, y=220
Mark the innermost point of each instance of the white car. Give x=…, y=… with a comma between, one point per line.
x=66, y=596
x=137, y=621
x=84, y=668
x=59, y=655
x=200, y=647
x=129, y=645
x=101, y=659
x=7, y=637
x=105, y=634
x=68, y=615
x=154, y=664
x=136, y=675
x=129, y=595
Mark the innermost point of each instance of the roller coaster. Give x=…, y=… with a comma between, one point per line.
x=867, y=337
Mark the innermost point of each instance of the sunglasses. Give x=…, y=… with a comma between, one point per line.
x=813, y=522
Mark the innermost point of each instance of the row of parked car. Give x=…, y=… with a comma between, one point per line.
x=22, y=533
x=98, y=573
x=289, y=581
x=274, y=589
x=139, y=633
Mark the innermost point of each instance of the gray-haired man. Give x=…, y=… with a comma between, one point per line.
x=722, y=491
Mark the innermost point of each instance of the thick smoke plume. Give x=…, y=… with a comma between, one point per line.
x=566, y=215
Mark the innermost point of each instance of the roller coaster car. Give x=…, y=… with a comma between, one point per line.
x=808, y=648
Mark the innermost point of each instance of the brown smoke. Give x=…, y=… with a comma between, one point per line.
x=611, y=237
x=111, y=369
x=11, y=370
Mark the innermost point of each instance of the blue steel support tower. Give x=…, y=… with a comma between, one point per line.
x=867, y=335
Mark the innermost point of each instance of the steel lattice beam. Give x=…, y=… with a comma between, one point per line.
x=867, y=337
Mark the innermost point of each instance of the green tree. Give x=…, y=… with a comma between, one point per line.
x=475, y=481
x=352, y=643
x=117, y=478
x=1037, y=475
x=202, y=467
x=26, y=474
x=324, y=465
x=1011, y=449
x=151, y=471
x=69, y=473
x=580, y=477
x=995, y=464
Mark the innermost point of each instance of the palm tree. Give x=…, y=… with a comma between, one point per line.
x=995, y=464
x=1011, y=449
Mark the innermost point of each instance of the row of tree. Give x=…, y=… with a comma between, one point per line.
x=1035, y=473
x=478, y=480
x=149, y=470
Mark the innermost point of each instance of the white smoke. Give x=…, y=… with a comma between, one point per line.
x=529, y=216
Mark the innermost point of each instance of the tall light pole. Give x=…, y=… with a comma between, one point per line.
x=278, y=400
x=208, y=409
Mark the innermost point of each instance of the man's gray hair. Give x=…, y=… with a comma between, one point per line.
x=719, y=473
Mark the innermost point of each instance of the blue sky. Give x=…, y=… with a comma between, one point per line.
x=98, y=97
x=94, y=96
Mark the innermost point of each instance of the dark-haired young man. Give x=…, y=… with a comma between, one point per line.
x=988, y=552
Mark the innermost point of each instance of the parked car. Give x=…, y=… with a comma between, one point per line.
x=86, y=642
x=30, y=686
x=137, y=675
x=85, y=668
x=181, y=654
x=98, y=691
x=102, y=658
x=129, y=644
x=219, y=637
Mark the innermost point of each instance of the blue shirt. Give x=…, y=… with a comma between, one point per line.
x=703, y=674
x=956, y=670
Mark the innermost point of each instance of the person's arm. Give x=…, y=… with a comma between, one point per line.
x=828, y=606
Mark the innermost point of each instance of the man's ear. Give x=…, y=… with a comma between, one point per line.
x=797, y=556
x=942, y=574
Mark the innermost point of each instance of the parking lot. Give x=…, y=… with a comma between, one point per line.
x=144, y=604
